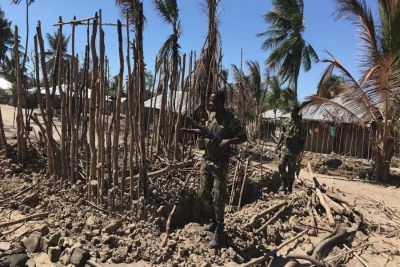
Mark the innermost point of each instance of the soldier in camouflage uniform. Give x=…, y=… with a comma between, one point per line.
x=213, y=189
x=291, y=144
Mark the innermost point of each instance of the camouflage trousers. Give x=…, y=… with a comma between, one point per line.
x=292, y=164
x=298, y=165
x=212, y=187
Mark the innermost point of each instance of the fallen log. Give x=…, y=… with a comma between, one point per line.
x=272, y=252
x=292, y=263
x=264, y=226
x=336, y=207
x=321, y=197
x=25, y=219
x=265, y=212
x=313, y=231
x=339, y=235
x=317, y=215
x=165, y=170
x=315, y=200
x=17, y=195
x=338, y=198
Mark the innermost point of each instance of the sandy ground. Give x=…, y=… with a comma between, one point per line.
x=10, y=126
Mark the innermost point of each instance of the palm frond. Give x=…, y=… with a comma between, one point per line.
x=237, y=74
x=278, y=55
x=165, y=9
x=358, y=13
x=274, y=42
x=129, y=8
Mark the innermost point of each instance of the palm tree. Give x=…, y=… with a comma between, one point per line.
x=333, y=86
x=278, y=97
x=375, y=96
x=52, y=40
x=255, y=89
x=169, y=12
x=6, y=37
x=284, y=37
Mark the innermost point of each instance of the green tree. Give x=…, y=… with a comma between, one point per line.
x=279, y=97
x=6, y=37
x=52, y=40
x=332, y=86
x=255, y=89
x=149, y=81
x=284, y=36
x=375, y=96
x=112, y=87
x=169, y=12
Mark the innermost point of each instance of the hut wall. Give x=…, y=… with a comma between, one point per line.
x=350, y=140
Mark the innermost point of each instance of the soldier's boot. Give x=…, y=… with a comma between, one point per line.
x=219, y=236
x=289, y=188
x=210, y=227
x=283, y=186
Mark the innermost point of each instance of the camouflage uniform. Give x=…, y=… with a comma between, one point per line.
x=215, y=165
x=293, y=133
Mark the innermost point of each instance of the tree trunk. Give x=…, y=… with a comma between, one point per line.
x=382, y=159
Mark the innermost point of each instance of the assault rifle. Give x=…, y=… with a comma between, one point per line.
x=208, y=134
x=204, y=131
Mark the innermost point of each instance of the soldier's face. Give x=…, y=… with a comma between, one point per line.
x=212, y=103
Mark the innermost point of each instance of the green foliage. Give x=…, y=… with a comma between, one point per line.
x=112, y=87
x=284, y=36
x=4, y=97
x=254, y=88
x=168, y=11
x=52, y=40
x=6, y=37
x=149, y=80
x=279, y=97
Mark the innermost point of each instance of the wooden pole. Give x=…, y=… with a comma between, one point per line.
x=49, y=112
x=20, y=125
x=92, y=109
x=117, y=111
x=73, y=126
x=100, y=115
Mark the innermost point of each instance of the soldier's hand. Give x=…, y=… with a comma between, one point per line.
x=183, y=130
x=224, y=143
x=276, y=150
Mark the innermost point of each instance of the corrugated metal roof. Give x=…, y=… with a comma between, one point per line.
x=64, y=88
x=345, y=108
x=4, y=84
x=270, y=114
x=155, y=101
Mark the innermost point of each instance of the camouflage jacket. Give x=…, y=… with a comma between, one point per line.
x=294, y=133
x=229, y=127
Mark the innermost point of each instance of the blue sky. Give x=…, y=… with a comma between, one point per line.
x=240, y=22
